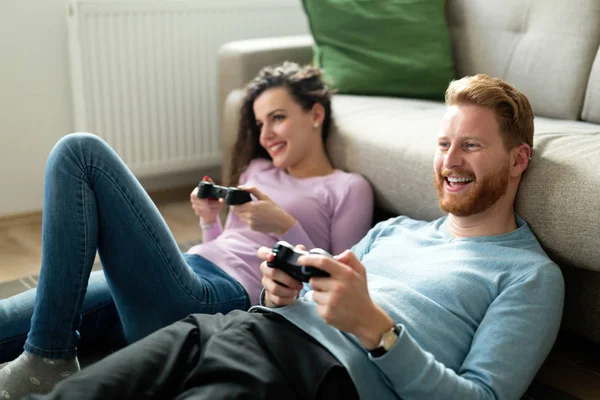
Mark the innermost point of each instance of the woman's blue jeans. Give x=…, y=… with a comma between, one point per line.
x=92, y=202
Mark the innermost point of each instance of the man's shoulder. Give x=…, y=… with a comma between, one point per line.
x=533, y=260
x=524, y=242
x=535, y=270
x=523, y=254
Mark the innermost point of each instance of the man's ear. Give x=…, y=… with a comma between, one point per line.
x=521, y=155
x=318, y=114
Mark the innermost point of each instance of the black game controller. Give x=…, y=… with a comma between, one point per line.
x=232, y=196
x=286, y=259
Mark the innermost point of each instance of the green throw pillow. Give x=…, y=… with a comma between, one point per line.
x=382, y=47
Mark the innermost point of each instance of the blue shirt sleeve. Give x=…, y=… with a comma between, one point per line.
x=509, y=346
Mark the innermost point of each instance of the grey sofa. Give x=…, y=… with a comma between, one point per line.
x=549, y=49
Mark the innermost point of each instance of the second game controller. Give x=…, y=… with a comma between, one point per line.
x=232, y=196
x=286, y=259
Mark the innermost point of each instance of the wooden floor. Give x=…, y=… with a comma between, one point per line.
x=572, y=369
x=21, y=238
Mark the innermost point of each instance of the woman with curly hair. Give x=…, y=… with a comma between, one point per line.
x=93, y=203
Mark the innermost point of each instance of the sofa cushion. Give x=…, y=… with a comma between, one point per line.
x=392, y=143
x=543, y=47
x=374, y=47
x=591, y=106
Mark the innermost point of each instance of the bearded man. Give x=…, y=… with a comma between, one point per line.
x=464, y=307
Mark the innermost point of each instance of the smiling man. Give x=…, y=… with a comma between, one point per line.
x=483, y=149
x=463, y=307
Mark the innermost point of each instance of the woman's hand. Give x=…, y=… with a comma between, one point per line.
x=343, y=298
x=207, y=209
x=263, y=215
x=280, y=288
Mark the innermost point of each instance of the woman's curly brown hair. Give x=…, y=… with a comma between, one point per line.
x=306, y=88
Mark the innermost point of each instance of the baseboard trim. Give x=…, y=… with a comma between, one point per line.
x=20, y=218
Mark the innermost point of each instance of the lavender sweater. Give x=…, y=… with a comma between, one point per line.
x=333, y=212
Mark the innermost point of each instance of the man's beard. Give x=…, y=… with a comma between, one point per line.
x=483, y=193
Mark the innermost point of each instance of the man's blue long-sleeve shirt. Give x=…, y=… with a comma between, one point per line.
x=478, y=315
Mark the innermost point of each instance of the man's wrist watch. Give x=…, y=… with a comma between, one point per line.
x=388, y=339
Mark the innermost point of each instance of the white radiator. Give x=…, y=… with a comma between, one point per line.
x=144, y=72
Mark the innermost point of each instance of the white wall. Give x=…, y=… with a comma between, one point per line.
x=36, y=100
x=35, y=97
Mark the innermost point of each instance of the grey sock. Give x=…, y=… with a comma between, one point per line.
x=33, y=374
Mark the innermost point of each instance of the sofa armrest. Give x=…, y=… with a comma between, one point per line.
x=238, y=62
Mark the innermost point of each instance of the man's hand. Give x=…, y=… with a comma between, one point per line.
x=343, y=298
x=263, y=215
x=274, y=279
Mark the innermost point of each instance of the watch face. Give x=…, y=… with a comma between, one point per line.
x=389, y=338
